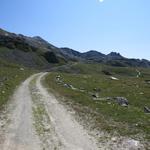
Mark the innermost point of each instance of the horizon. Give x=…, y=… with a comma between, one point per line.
x=104, y=26
x=78, y=50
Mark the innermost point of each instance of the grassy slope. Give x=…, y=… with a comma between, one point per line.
x=11, y=75
x=110, y=117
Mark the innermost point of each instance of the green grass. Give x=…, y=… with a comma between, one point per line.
x=39, y=112
x=11, y=76
x=110, y=117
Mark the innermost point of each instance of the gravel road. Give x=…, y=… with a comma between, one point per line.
x=35, y=120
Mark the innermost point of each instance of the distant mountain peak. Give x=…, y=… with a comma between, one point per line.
x=93, y=53
x=38, y=38
x=114, y=55
x=24, y=49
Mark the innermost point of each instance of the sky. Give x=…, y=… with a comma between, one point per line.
x=104, y=25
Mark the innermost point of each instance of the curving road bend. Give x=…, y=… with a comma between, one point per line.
x=54, y=128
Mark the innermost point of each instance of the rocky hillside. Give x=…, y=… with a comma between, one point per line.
x=113, y=58
x=35, y=52
x=28, y=51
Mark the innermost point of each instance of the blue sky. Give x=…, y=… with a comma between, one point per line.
x=112, y=25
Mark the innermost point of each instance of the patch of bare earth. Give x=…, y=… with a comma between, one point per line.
x=18, y=132
x=65, y=132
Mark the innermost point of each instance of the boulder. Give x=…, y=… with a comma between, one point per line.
x=114, y=78
x=57, y=78
x=22, y=69
x=146, y=109
x=66, y=85
x=122, y=101
x=95, y=95
x=147, y=81
x=106, y=72
x=70, y=86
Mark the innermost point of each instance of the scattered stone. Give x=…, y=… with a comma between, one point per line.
x=139, y=73
x=82, y=89
x=103, y=99
x=147, y=81
x=122, y=101
x=114, y=78
x=124, y=105
x=47, y=128
x=66, y=85
x=58, y=77
x=70, y=86
x=114, y=139
x=141, y=93
x=3, y=92
x=146, y=109
x=2, y=124
x=22, y=69
x=109, y=103
x=132, y=144
x=95, y=95
x=3, y=79
x=136, y=124
x=106, y=72
x=107, y=98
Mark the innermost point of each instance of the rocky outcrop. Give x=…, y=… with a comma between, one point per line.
x=122, y=101
x=146, y=109
x=28, y=51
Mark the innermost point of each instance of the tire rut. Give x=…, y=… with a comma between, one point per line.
x=68, y=131
x=36, y=121
x=19, y=133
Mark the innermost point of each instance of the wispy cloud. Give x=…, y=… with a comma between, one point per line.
x=101, y=1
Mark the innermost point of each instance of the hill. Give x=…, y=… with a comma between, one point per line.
x=35, y=52
x=113, y=58
x=29, y=51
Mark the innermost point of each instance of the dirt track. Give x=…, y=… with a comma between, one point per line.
x=22, y=129
x=35, y=120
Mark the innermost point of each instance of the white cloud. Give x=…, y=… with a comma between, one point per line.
x=101, y=1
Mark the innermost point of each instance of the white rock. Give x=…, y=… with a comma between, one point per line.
x=21, y=69
x=114, y=78
x=114, y=139
x=3, y=92
x=133, y=143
